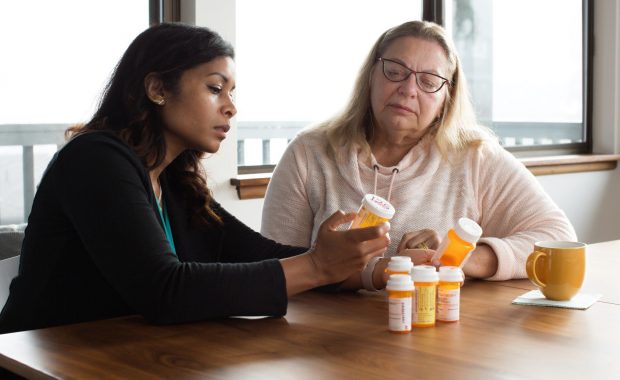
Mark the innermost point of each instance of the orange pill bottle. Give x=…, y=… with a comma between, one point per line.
x=373, y=211
x=399, y=265
x=449, y=293
x=425, y=280
x=458, y=244
x=400, y=295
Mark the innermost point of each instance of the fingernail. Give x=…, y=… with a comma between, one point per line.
x=386, y=227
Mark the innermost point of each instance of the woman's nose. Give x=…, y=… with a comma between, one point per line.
x=229, y=109
x=409, y=87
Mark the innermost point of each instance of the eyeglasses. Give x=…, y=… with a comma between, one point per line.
x=397, y=72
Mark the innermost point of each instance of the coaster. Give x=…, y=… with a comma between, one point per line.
x=580, y=301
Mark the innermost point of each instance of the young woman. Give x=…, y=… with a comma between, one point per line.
x=123, y=221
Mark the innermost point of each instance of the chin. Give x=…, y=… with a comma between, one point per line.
x=208, y=147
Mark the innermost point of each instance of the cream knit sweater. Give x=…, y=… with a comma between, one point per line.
x=486, y=184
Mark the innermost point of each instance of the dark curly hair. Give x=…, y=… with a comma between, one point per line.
x=166, y=50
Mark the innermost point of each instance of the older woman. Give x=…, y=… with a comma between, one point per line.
x=409, y=134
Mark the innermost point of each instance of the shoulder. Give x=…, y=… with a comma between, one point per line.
x=98, y=154
x=96, y=146
x=308, y=147
x=487, y=149
x=490, y=159
x=310, y=139
x=101, y=140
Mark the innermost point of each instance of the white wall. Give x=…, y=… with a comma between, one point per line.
x=591, y=200
x=222, y=166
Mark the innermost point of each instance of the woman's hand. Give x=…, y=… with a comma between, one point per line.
x=483, y=262
x=419, y=245
x=337, y=255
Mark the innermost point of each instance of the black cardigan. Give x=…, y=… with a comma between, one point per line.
x=95, y=248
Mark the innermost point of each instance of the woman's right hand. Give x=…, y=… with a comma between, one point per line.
x=339, y=254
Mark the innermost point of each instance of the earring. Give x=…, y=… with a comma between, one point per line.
x=160, y=102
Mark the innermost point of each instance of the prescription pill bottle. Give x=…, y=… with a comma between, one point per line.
x=458, y=243
x=400, y=292
x=399, y=265
x=374, y=210
x=425, y=280
x=449, y=293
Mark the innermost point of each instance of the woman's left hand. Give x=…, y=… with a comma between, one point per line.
x=419, y=245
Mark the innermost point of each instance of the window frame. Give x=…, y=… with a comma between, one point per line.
x=433, y=10
x=28, y=135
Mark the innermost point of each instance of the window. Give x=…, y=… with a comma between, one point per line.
x=57, y=58
x=524, y=61
x=296, y=66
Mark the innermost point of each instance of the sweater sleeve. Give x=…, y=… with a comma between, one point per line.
x=287, y=215
x=105, y=195
x=515, y=212
x=253, y=247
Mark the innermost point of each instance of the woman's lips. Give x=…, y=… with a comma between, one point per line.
x=222, y=130
x=400, y=107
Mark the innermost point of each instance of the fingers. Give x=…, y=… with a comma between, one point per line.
x=369, y=247
x=359, y=235
x=405, y=239
x=424, y=239
x=336, y=219
x=418, y=256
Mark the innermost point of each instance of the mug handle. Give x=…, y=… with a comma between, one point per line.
x=530, y=267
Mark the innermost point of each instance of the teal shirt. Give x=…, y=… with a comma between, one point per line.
x=166, y=222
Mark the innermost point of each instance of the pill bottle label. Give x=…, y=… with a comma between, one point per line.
x=366, y=218
x=399, y=314
x=448, y=304
x=424, y=310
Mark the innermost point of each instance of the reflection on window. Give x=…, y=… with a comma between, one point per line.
x=56, y=58
x=296, y=66
x=524, y=65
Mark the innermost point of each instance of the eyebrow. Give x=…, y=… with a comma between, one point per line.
x=421, y=71
x=224, y=77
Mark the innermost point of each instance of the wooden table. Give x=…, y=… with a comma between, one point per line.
x=340, y=336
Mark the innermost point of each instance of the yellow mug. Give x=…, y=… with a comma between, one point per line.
x=557, y=268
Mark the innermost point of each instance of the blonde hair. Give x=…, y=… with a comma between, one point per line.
x=456, y=128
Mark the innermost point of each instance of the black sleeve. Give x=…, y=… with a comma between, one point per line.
x=252, y=246
x=105, y=193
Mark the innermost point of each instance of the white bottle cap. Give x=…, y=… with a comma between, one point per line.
x=424, y=273
x=451, y=274
x=400, y=264
x=378, y=206
x=468, y=230
x=400, y=282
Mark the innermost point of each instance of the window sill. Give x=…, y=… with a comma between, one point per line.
x=253, y=186
x=574, y=163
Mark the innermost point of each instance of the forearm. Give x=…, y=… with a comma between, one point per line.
x=482, y=263
x=301, y=274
